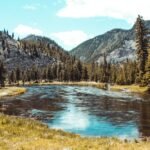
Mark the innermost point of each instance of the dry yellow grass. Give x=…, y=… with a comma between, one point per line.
x=25, y=134
x=12, y=91
x=130, y=88
x=63, y=83
x=82, y=83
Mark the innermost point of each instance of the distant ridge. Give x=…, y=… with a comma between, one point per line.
x=32, y=50
x=118, y=44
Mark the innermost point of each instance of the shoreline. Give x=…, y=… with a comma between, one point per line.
x=124, y=88
x=130, y=88
x=23, y=133
x=17, y=90
x=12, y=91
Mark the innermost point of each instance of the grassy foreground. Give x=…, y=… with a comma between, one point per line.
x=11, y=91
x=25, y=134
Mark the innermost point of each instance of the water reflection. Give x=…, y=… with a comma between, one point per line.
x=84, y=110
x=144, y=123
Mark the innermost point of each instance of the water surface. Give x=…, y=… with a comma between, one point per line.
x=87, y=111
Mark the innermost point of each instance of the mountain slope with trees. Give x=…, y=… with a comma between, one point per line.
x=33, y=50
x=37, y=58
x=118, y=44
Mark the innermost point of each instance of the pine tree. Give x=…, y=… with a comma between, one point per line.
x=79, y=70
x=18, y=74
x=141, y=45
x=2, y=74
x=92, y=73
x=24, y=77
x=114, y=74
x=3, y=44
x=29, y=74
x=147, y=68
x=50, y=74
x=85, y=76
x=13, y=77
x=105, y=69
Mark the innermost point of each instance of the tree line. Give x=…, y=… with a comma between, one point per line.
x=72, y=70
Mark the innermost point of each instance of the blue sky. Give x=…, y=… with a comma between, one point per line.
x=69, y=22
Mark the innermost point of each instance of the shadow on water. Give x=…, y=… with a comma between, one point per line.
x=84, y=110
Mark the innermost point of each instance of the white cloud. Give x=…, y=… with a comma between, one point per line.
x=71, y=38
x=122, y=9
x=24, y=30
x=30, y=7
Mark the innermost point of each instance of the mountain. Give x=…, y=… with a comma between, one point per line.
x=32, y=50
x=118, y=44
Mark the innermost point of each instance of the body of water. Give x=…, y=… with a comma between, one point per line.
x=87, y=111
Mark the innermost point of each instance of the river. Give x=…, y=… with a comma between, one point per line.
x=87, y=111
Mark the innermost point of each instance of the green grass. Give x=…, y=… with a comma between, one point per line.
x=25, y=134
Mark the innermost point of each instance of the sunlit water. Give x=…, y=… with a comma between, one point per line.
x=86, y=111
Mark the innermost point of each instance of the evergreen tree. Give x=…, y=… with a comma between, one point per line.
x=147, y=69
x=18, y=74
x=12, y=77
x=24, y=77
x=85, y=76
x=2, y=74
x=105, y=70
x=141, y=45
x=3, y=44
x=50, y=74
x=78, y=70
x=92, y=71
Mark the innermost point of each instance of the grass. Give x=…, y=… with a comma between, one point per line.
x=25, y=134
x=81, y=83
x=130, y=88
x=12, y=91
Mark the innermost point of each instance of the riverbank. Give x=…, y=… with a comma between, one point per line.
x=82, y=83
x=130, y=88
x=11, y=91
x=18, y=133
x=15, y=90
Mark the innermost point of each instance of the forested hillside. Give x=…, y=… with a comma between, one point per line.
x=119, y=45
x=33, y=50
x=36, y=58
